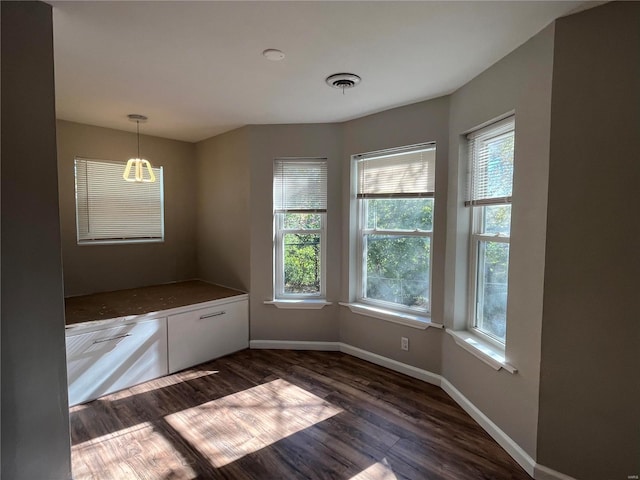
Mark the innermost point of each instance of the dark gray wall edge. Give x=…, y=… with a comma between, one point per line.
x=589, y=422
x=35, y=427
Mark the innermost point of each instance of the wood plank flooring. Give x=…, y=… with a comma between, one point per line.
x=274, y=414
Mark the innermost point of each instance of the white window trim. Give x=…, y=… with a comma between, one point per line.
x=483, y=350
x=474, y=246
x=473, y=335
x=298, y=300
x=278, y=281
x=375, y=308
x=410, y=320
x=299, y=304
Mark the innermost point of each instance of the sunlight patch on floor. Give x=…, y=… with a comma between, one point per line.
x=378, y=471
x=124, y=454
x=231, y=427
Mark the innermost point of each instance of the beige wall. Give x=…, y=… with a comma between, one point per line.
x=35, y=419
x=223, y=209
x=417, y=123
x=590, y=376
x=520, y=82
x=268, y=142
x=97, y=268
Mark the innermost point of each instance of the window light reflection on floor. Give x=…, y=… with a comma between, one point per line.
x=144, y=445
x=231, y=427
x=378, y=471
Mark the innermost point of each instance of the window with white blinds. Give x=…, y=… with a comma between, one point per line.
x=402, y=173
x=300, y=185
x=112, y=210
x=394, y=196
x=299, y=210
x=491, y=152
x=491, y=157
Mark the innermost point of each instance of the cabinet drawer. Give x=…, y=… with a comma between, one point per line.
x=201, y=335
x=107, y=360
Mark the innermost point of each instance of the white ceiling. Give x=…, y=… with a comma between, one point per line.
x=196, y=69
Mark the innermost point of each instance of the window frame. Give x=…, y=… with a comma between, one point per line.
x=361, y=206
x=477, y=236
x=279, y=233
x=124, y=239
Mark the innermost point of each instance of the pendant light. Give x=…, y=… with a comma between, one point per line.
x=139, y=165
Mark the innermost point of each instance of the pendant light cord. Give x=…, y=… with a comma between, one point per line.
x=138, y=134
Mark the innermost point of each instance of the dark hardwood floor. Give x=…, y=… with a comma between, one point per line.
x=274, y=414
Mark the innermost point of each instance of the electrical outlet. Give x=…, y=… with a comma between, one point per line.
x=404, y=343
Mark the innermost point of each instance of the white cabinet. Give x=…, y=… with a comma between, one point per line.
x=112, y=358
x=200, y=335
x=114, y=354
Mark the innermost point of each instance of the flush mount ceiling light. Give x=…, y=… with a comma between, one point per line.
x=138, y=164
x=343, y=80
x=273, y=54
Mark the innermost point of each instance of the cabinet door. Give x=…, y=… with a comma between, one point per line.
x=114, y=358
x=201, y=335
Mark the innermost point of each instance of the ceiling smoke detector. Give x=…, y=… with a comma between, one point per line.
x=343, y=80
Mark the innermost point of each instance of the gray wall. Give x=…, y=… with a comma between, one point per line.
x=97, y=268
x=223, y=209
x=590, y=379
x=520, y=82
x=268, y=142
x=417, y=123
x=35, y=419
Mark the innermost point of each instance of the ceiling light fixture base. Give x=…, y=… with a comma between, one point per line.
x=136, y=117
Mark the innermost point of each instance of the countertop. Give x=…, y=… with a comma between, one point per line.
x=138, y=301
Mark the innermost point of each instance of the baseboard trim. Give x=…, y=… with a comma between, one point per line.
x=294, y=345
x=504, y=440
x=546, y=473
x=391, y=364
x=535, y=470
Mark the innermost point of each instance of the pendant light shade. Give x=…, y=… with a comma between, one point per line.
x=142, y=171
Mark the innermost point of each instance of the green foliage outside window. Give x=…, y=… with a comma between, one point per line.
x=397, y=265
x=302, y=253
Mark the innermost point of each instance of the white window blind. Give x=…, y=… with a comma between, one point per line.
x=300, y=185
x=405, y=173
x=110, y=209
x=491, y=164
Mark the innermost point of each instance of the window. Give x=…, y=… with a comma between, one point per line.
x=491, y=152
x=112, y=210
x=300, y=210
x=394, y=192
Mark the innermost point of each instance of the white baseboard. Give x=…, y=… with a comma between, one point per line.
x=504, y=440
x=294, y=345
x=391, y=364
x=546, y=473
x=537, y=471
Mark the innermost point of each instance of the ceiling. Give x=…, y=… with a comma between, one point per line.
x=196, y=68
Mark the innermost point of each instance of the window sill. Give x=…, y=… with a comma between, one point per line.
x=489, y=354
x=129, y=241
x=407, y=319
x=302, y=304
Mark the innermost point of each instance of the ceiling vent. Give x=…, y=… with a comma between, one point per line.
x=343, y=80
